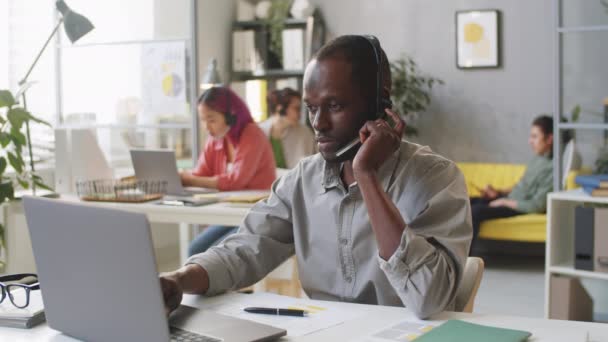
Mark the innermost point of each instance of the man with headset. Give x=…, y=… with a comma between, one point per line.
x=372, y=219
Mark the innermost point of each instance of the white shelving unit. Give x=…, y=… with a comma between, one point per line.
x=560, y=238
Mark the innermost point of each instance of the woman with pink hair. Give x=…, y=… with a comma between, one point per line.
x=237, y=155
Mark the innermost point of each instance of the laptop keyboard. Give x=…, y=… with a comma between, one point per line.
x=179, y=335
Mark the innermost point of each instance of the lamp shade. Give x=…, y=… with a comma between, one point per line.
x=75, y=25
x=211, y=76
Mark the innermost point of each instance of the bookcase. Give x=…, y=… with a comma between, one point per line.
x=560, y=246
x=266, y=65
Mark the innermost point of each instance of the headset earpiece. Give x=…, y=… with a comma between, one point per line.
x=211, y=93
x=380, y=103
x=228, y=116
x=282, y=110
x=283, y=101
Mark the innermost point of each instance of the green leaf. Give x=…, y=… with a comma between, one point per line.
x=5, y=139
x=1, y=239
x=2, y=165
x=6, y=99
x=23, y=182
x=41, y=185
x=16, y=162
x=6, y=191
x=576, y=113
x=37, y=120
x=17, y=116
x=18, y=137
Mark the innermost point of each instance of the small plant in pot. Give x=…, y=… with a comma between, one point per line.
x=13, y=117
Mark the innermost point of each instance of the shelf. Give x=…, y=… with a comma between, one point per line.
x=577, y=195
x=266, y=74
x=569, y=270
x=597, y=28
x=258, y=24
x=598, y=126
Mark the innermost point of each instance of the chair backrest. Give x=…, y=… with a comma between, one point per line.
x=471, y=278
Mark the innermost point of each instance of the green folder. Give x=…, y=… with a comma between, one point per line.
x=460, y=331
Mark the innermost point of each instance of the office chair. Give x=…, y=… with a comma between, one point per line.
x=471, y=279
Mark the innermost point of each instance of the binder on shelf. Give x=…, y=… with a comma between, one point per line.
x=600, y=248
x=583, y=237
x=293, y=48
x=569, y=300
x=249, y=52
x=237, y=51
x=596, y=192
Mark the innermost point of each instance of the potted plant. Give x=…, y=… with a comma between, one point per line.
x=410, y=91
x=277, y=14
x=12, y=141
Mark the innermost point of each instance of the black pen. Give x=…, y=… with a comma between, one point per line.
x=277, y=311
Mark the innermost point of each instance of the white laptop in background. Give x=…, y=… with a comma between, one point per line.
x=100, y=283
x=162, y=165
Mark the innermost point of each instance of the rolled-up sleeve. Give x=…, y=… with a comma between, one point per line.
x=263, y=241
x=427, y=267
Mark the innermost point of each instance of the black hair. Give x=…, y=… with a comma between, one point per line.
x=545, y=123
x=357, y=51
x=281, y=98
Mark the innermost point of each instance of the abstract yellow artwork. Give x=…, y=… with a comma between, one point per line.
x=477, y=39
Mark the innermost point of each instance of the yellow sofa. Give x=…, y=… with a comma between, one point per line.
x=523, y=228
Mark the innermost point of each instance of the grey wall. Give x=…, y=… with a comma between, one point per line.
x=478, y=115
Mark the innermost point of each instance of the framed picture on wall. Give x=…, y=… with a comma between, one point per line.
x=478, y=39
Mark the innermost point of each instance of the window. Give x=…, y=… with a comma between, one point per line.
x=127, y=79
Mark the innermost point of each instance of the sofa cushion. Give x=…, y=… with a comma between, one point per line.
x=524, y=228
x=501, y=176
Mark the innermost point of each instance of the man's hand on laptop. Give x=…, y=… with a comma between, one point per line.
x=172, y=291
x=191, y=278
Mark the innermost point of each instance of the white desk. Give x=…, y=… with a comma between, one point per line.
x=374, y=318
x=214, y=214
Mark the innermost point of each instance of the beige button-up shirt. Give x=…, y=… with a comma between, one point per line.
x=312, y=214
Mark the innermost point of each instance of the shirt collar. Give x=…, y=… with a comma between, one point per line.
x=332, y=171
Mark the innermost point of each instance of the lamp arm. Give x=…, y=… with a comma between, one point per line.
x=29, y=71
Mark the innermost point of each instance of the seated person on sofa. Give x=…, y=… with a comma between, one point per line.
x=529, y=195
x=291, y=140
x=387, y=222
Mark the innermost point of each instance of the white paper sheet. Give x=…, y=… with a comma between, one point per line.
x=319, y=317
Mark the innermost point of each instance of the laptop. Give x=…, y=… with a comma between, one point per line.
x=162, y=165
x=99, y=280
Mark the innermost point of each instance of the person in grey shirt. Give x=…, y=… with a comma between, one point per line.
x=386, y=223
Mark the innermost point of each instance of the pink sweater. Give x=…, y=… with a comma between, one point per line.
x=253, y=168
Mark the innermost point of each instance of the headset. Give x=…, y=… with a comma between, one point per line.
x=380, y=103
x=209, y=95
x=283, y=101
